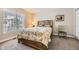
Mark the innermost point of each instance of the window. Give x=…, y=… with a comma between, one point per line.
x=12, y=21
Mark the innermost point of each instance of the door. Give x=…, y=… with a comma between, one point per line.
x=77, y=23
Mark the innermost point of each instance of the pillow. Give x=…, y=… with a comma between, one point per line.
x=47, y=25
x=39, y=25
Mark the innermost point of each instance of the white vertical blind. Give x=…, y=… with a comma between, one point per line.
x=12, y=21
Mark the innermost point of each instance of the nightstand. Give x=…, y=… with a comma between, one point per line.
x=62, y=34
x=62, y=31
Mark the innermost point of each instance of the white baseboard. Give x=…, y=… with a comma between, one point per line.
x=68, y=35
x=72, y=36
x=3, y=40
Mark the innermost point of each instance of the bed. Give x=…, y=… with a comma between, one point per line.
x=37, y=37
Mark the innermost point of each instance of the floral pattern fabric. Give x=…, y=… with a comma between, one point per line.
x=39, y=34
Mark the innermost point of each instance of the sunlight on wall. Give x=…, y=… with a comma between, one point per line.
x=31, y=20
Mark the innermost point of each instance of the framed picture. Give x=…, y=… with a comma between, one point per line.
x=59, y=17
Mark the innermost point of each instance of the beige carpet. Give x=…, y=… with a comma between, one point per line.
x=56, y=44
x=64, y=44
x=14, y=45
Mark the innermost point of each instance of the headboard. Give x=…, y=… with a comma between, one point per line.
x=45, y=22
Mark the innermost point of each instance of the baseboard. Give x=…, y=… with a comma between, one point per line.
x=77, y=38
x=4, y=40
x=69, y=36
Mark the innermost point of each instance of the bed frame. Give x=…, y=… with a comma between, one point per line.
x=34, y=44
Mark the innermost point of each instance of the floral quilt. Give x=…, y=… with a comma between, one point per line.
x=39, y=34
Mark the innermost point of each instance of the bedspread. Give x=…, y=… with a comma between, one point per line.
x=39, y=34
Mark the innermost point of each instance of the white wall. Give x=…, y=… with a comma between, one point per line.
x=50, y=13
